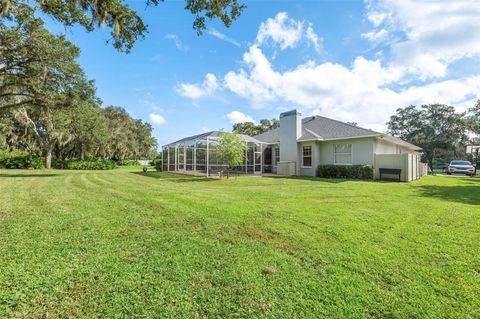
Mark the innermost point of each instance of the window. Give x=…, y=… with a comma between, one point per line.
x=307, y=156
x=277, y=155
x=343, y=153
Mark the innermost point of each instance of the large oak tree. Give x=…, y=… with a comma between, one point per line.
x=125, y=24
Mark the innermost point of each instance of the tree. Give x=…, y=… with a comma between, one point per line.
x=82, y=131
x=266, y=125
x=474, y=118
x=48, y=106
x=125, y=24
x=40, y=77
x=122, y=137
x=246, y=128
x=146, y=144
x=35, y=66
x=436, y=128
x=230, y=150
x=251, y=129
x=90, y=130
x=129, y=138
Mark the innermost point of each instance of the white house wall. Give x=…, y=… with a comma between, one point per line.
x=362, y=151
x=385, y=147
x=323, y=153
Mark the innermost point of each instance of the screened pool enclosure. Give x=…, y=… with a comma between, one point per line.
x=195, y=155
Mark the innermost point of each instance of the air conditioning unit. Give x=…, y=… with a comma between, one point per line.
x=286, y=168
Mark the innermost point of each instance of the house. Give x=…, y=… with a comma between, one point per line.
x=473, y=149
x=298, y=147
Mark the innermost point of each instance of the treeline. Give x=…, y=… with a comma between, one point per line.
x=49, y=108
x=252, y=129
x=441, y=131
x=81, y=131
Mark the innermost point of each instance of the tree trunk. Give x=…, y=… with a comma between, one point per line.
x=48, y=158
x=59, y=153
x=82, y=152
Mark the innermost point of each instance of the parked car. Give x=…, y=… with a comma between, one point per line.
x=440, y=166
x=461, y=167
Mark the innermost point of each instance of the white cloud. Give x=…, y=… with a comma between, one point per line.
x=361, y=93
x=281, y=30
x=257, y=84
x=375, y=36
x=157, y=119
x=178, y=43
x=196, y=91
x=376, y=18
x=368, y=91
x=287, y=33
x=433, y=33
x=239, y=117
x=314, y=38
x=223, y=37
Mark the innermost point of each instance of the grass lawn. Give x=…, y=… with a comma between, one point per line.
x=120, y=243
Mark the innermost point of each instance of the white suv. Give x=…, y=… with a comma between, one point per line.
x=461, y=167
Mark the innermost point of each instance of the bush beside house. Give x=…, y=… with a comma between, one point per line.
x=345, y=171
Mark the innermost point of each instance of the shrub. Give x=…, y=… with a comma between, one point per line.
x=20, y=159
x=128, y=163
x=345, y=171
x=87, y=165
x=157, y=162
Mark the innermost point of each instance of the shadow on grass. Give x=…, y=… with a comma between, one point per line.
x=180, y=178
x=326, y=180
x=463, y=194
x=313, y=179
x=175, y=178
x=26, y=175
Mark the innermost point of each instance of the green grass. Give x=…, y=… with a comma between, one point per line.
x=85, y=244
x=443, y=172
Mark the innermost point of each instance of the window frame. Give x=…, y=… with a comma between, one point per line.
x=335, y=154
x=276, y=155
x=303, y=156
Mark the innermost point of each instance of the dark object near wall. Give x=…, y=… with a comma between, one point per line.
x=390, y=171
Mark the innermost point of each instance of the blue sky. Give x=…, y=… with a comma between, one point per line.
x=350, y=60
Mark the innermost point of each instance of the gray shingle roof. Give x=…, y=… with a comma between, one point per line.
x=321, y=128
x=326, y=129
x=270, y=137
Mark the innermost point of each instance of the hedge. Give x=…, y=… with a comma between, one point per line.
x=128, y=163
x=20, y=159
x=345, y=171
x=86, y=165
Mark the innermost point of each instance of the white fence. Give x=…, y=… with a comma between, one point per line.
x=409, y=164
